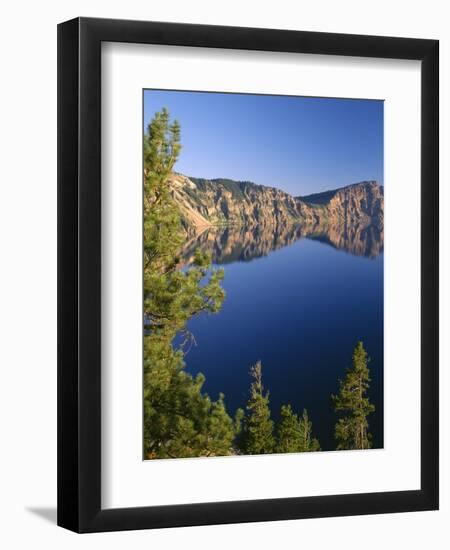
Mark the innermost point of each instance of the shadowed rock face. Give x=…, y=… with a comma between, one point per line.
x=238, y=221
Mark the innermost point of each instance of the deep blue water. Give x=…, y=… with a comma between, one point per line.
x=300, y=310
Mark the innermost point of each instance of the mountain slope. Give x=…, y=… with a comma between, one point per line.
x=205, y=203
x=358, y=203
x=222, y=202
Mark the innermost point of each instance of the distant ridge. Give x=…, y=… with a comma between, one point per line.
x=325, y=196
x=224, y=202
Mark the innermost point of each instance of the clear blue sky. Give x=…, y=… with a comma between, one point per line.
x=299, y=144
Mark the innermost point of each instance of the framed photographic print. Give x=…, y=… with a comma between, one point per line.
x=248, y=275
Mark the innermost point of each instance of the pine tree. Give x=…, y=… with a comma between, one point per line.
x=353, y=405
x=294, y=433
x=239, y=431
x=258, y=426
x=179, y=419
x=307, y=442
x=288, y=431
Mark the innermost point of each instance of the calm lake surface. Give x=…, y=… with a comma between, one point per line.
x=300, y=308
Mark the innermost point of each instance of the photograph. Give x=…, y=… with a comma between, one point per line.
x=226, y=352
x=263, y=235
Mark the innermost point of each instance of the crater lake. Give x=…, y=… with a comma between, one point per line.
x=299, y=305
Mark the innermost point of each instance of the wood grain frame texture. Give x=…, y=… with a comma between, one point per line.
x=79, y=274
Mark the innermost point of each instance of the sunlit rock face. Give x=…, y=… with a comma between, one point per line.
x=241, y=220
x=358, y=204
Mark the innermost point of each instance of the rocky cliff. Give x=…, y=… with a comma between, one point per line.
x=222, y=202
x=343, y=214
x=358, y=204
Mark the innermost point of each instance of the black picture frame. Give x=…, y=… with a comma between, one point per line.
x=79, y=274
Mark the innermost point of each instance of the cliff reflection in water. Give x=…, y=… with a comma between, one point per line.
x=242, y=244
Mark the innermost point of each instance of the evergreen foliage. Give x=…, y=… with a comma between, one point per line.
x=258, y=426
x=307, y=442
x=179, y=420
x=353, y=405
x=288, y=431
x=294, y=433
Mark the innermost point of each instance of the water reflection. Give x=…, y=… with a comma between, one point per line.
x=242, y=244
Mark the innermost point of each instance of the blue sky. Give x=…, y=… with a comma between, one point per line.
x=299, y=144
